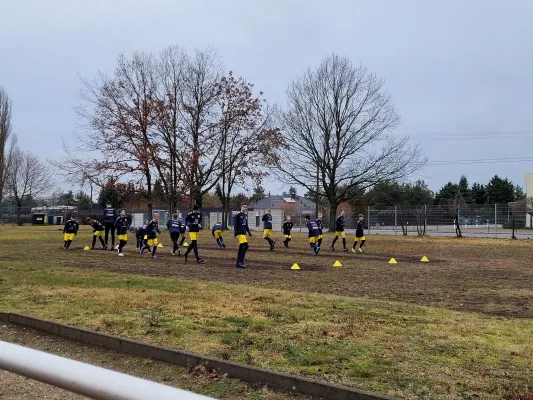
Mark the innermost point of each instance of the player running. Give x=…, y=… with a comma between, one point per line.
x=287, y=226
x=217, y=232
x=70, y=230
x=152, y=229
x=122, y=225
x=98, y=230
x=313, y=234
x=194, y=223
x=174, y=228
x=267, y=228
x=359, y=235
x=339, y=231
x=241, y=229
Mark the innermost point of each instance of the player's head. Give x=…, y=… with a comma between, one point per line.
x=132, y=229
x=244, y=208
x=269, y=210
x=108, y=205
x=218, y=223
x=196, y=207
x=319, y=215
x=361, y=217
x=88, y=220
x=175, y=216
x=307, y=217
x=69, y=216
x=122, y=213
x=155, y=216
x=288, y=217
x=343, y=213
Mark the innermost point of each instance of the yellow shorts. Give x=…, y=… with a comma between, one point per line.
x=321, y=236
x=68, y=236
x=288, y=237
x=152, y=242
x=242, y=239
x=218, y=234
x=123, y=237
x=267, y=232
x=361, y=238
x=193, y=235
x=98, y=233
x=313, y=239
x=340, y=234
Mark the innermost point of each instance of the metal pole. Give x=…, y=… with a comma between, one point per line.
x=368, y=218
x=87, y=380
x=91, y=198
x=395, y=218
x=495, y=220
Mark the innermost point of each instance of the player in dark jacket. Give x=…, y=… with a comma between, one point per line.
x=287, y=226
x=194, y=223
x=312, y=227
x=339, y=231
x=320, y=224
x=110, y=217
x=140, y=233
x=267, y=228
x=122, y=226
x=174, y=229
x=217, y=232
x=183, y=230
x=151, y=231
x=70, y=230
x=240, y=230
x=359, y=234
x=98, y=230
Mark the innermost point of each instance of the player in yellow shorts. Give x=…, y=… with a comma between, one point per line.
x=267, y=228
x=194, y=223
x=217, y=232
x=313, y=234
x=151, y=230
x=122, y=226
x=340, y=222
x=240, y=230
x=359, y=234
x=98, y=230
x=287, y=226
x=320, y=225
x=70, y=230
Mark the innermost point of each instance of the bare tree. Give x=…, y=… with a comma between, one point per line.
x=5, y=133
x=247, y=140
x=337, y=132
x=27, y=178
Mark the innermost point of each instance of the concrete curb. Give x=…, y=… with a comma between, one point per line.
x=245, y=373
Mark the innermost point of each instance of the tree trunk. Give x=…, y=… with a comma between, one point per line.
x=457, y=226
x=333, y=204
x=19, y=219
x=513, y=235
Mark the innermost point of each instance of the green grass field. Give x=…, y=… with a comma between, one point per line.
x=460, y=326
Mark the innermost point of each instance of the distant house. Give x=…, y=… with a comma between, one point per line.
x=529, y=193
x=281, y=206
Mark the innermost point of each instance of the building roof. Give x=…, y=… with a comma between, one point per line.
x=303, y=205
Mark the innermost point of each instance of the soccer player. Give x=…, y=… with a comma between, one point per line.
x=152, y=229
x=174, y=228
x=183, y=229
x=339, y=230
x=217, y=231
x=110, y=217
x=140, y=233
x=194, y=223
x=241, y=229
x=98, y=229
x=320, y=224
x=313, y=234
x=70, y=230
x=122, y=226
x=287, y=226
x=267, y=228
x=359, y=234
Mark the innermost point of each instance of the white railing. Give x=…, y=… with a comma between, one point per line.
x=87, y=380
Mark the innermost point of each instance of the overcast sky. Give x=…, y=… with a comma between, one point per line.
x=460, y=72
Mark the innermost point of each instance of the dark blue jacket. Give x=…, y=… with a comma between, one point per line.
x=173, y=226
x=320, y=224
x=152, y=229
x=193, y=221
x=287, y=226
x=97, y=226
x=241, y=224
x=360, y=231
x=313, y=228
x=140, y=232
x=217, y=227
x=110, y=215
x=339, y=223
x=267, y=221
x=183, y=227
x=122, y=225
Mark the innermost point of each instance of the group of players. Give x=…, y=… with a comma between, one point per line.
x=147, y=236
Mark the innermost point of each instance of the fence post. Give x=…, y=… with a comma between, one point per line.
x=395, y=218
x=368, y=218
x=495, y=220
x=425, y=218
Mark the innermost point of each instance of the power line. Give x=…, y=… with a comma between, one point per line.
x=482, y=161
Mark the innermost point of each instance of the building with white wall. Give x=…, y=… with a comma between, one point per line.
x=529, y=193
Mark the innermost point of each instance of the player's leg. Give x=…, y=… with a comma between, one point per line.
x=154, y=248
x=334, y=241
x=112, y=237
x=344, y=241
x=94, y=242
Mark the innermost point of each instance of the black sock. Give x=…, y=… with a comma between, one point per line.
x=121, y=245
x=182, y=240
x=270, y=241
x=68, y=243
x=244, y=250
x=94, y=241
x=344, y=242
x=239, y=253
x=319, y=242
x=334, y=241
x=222, y=242
x=65, y=245
x=195, y=249
x=362, y=243
x=354, y=244
x=154, y=249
